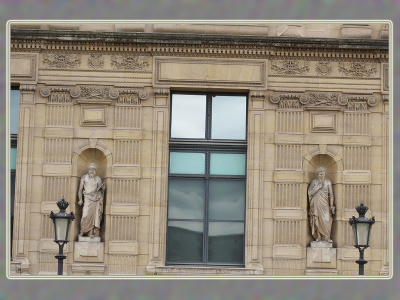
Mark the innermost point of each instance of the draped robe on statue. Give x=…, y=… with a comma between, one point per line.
x=93, y=205
x=320, y=213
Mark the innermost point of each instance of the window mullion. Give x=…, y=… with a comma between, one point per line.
x=208, y=121
x=207, y=177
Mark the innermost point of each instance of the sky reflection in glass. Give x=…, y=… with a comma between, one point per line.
x=188, y=116
x=228, y=117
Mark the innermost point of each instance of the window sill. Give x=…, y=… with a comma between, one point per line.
x=201, y=271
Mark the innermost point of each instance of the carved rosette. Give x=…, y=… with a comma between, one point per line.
x=114, y=93
x=75, y=92
x=290, y=67
x=61, y=60
x=130, y=62
x=357, y=69
x=323, y=68
x=96, y=61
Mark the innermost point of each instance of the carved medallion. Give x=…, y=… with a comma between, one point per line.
x=290, y=67
x=129, y=62
x=96, y=61
x=61, y=60
x=357, y=69
x=95, y=92
x=323, y=68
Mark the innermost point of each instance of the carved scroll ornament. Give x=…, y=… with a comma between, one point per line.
x=61, y=60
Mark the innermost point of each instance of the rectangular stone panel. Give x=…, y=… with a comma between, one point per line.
x=126, y=171
x=93, y=116
x=128, y=248
x=287, y=213
x=210, y=72
x=286, y=176
x=88, y=252
x=290, y=252
x=323, y=122
x=23, y=67
x=357, y=177
x=56, y=170
x=126, y=209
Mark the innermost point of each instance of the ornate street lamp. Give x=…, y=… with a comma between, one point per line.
x=361, y=227
x=62, y=222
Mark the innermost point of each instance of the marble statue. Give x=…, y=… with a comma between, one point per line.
x=322, y=207
x=91, y=189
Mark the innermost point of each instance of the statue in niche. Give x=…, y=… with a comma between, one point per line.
x=91, y=188
x=322, y=207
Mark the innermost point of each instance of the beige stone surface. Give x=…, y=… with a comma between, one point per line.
x=109, y=103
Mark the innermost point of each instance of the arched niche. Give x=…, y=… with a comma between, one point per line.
x=333, y=171
x=83, y=157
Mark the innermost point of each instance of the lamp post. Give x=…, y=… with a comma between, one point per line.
x=361, y=228
x=62, y=222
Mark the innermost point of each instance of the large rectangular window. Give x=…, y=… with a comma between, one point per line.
x=207, y=179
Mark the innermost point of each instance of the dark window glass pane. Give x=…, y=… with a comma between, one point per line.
x=188, y=117
x=13, y=158
x=185, y=241
x=14, y=111
x=228, y=164
x=226, y=242
x=186, y=198
x=227, y=199
x=187, y=163
x=228, y=117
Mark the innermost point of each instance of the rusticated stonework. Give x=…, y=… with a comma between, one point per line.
x=61, y=60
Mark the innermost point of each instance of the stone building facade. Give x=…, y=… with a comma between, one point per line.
x=315, y=94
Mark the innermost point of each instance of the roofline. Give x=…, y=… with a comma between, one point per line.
x=199, y=39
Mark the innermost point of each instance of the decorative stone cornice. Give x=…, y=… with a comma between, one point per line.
x=27, y=88
x=197, y=39
x=161, y=92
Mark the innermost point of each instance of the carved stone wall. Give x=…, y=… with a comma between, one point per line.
x=108, y=101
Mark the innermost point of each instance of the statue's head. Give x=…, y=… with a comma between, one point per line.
x=92, y=169
x=321, y=173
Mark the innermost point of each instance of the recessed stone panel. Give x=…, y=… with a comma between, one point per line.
x=293, y=252
x=323, y=122
x=93, y=116
x=123, y=248
x=210, y=72
x=23, y=67
x=126, y=171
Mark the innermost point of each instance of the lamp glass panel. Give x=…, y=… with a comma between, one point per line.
x=61, y=226
x=362, y=233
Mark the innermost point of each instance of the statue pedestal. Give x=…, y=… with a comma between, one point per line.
x=321, y=259
x=89, y=249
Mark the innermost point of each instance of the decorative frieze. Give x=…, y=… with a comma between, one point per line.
x=290, y=67
x=323, y=99
x=385, y=77
x=95, y=92
x=96, y=61
x=289, y=100
x=323, y=68
x=60, y=61
x=357, y=69
x=130, y=62
x=60, y=94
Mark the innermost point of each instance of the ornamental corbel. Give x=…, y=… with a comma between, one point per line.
x=27, y=88
x=258, y=94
